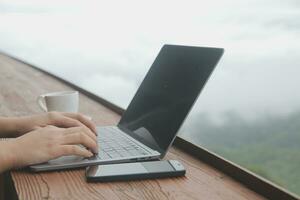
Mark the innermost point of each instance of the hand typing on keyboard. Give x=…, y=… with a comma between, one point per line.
x=113, y=144
x=45, y=137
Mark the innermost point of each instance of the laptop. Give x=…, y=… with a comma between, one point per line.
x=149, y=125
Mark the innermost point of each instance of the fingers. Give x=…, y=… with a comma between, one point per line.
x=66, y=122
x=81, y=129
x=66, y=150
x=82, y=119
x=80, y=138
x=77, y=135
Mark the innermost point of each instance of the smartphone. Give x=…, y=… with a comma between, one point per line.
x=134, y=171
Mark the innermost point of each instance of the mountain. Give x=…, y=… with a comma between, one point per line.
x=268, y=146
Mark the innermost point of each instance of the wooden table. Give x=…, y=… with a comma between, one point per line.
x=21, y=84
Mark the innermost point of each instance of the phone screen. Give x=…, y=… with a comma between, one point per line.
x=130, y=168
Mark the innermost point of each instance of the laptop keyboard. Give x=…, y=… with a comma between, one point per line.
x=114, y=144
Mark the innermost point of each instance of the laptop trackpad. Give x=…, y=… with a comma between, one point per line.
x=66, y=160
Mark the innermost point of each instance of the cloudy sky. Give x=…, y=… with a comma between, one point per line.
x=108, y=46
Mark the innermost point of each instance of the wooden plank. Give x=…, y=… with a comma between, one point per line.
x=19, y=87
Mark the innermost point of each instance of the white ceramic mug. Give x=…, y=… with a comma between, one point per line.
x=65, y=101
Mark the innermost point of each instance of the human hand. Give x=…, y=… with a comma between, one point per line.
x=59, y=119
x=50, y=142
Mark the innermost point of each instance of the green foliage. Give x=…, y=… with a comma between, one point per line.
x=270, y=147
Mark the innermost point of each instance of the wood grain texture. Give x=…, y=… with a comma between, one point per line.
x=19, y=87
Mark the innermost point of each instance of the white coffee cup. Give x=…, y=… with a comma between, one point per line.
x=64, y=101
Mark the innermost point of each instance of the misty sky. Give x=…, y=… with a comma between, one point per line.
x=107, y=47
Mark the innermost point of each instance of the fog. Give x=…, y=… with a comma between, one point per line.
x=107, y=47
x=249, y=110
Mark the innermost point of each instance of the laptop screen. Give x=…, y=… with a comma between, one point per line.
x=167, y=94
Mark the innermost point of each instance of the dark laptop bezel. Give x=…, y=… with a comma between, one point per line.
x=218, y=51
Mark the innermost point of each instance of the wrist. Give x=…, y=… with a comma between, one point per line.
x=8, y=155
x=10, y=127
x=23, y=125
x=27, y=124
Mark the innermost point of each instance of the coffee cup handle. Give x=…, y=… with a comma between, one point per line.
x=41, y=102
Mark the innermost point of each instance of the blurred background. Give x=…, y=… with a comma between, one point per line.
x=249, y=111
